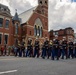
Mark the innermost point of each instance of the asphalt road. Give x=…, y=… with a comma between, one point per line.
x=36, y=66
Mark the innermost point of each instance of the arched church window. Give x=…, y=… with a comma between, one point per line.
x=38, y=27
x=41, y=32
x=35, y=30
x=16, y=28
x=38, y=31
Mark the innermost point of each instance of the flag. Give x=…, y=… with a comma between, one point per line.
x=73, y=0
x=67, y=0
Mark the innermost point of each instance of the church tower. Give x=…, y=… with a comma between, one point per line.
x=41, y=21
x=43, y=7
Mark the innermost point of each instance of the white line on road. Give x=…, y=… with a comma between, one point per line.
x=8, y=72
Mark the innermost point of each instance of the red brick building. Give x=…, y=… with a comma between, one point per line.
x=32, y=23
x=5, y=25
x=67, y=33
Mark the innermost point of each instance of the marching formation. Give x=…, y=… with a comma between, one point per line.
x=55, y=49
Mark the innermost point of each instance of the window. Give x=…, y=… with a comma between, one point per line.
x=6, y=39
x=0, y=38
x=16, y=28
x=4, y=9
x=41, y=32
x=40, y=2
x=45, y=2
x=7, y=24
x=68, y=31
x=38, y=31
x=38, y=28
x=55, y=33
x=35, y=30
x=1, y=22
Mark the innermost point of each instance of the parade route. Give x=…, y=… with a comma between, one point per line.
x=10, y=65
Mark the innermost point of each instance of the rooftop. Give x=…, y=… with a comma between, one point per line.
x=26, y=15
x=4, y=9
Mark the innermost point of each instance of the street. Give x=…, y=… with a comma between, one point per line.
x=10, y=65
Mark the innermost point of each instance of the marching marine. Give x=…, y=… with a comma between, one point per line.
x=36, y=48
x=55, y=49
x=71, y=49
x=46, y=48
x=29, y=51
x=65, y=50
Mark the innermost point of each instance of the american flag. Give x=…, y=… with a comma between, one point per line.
x=67, y=0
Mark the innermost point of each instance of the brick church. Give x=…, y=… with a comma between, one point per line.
x=32, y=23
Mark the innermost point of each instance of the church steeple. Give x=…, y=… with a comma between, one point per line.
x=16, y=18
x=43, y=2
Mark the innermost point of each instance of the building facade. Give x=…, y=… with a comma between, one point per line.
x=5, y=25
x=32, y=23
x=67, y=33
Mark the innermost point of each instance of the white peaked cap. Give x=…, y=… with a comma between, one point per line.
x=36, y=38
x=29, y=38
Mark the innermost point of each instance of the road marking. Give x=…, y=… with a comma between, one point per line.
x=14, y=58
x=8, y=72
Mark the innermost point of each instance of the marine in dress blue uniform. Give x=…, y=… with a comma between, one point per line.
x=29, y=48
x=56, y=45
x=75, y=50
x=46, y=44
x=36, y=48
x=71, y=49
x=65, y=50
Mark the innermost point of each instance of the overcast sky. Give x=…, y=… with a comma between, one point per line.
x=61, y=14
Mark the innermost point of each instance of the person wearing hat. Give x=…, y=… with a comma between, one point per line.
x=2, y=50
x=71, y=49
x=23, y=48
x=46, y=48
x=36, y=48
x=64, y=50
x=56, y=49
x=60, y=48
x=16, y=50
x=29, y=48
x=75, y=49
x=50, y=48
x=19, y=52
